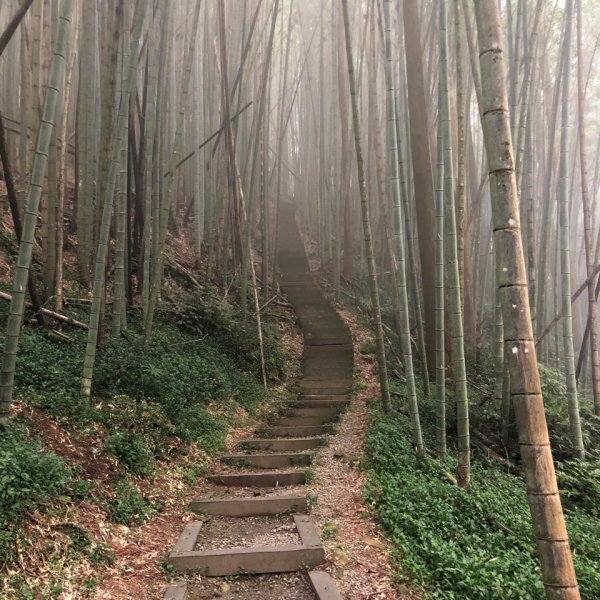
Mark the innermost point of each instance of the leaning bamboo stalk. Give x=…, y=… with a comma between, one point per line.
x=13, y=24
x=555, y=557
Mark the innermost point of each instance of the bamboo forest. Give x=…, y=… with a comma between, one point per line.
x=299, y=299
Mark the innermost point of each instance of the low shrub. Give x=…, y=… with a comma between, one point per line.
x=132, y=451
x=29, y=478
x=128, y=506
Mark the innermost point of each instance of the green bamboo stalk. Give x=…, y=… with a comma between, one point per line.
x=247, y=242
x=565, y=261
x=440, y=300
x=456, y=317
x=392, y=117
x=119, y=314
x=364, y=203
x=165, y=207
x=111, y=182
x=17, y=305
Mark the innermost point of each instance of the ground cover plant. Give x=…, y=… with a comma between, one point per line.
x=476, y=544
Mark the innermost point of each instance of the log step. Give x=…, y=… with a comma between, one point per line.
x=267, y=479
x=249, y=506
x=303, y=431
x=283, y=444
x=270, y=461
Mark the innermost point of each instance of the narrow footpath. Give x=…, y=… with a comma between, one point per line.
x=255, y=529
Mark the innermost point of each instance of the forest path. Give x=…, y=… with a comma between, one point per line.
x=258, y=533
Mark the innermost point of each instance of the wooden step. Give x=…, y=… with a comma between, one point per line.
x=312, y=411
x=259, y=559
x=302, y=431
x=315, y=389
x=302, y=421
x=176, y=591
x=270, y=461
x=247, y=506
x=267, y=479
x=283, y=444
x=324, y=585
x=318, y=401
x=343, y=384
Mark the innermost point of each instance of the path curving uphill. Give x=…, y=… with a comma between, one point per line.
x=256, y=530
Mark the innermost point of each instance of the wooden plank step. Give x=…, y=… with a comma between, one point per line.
x=270, y=461
x=312, y=411
x=341, y=383
x=304, y=431
x=302, y=421
x=323, y=390
x=249, y=506
x=188, y=537
x=260, y=559
x=176, y=591
x=318, y=401
x=266, y=479
x=324, y=585
x=283, y=444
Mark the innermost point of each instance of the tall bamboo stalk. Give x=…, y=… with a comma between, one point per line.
x=413, y=404
x=107, y=210
x=557, y=568
x=17, y=305
x=364, y=203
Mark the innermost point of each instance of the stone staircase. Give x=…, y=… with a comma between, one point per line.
x=257, y=521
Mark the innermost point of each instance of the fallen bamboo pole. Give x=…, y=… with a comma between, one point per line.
x=50, y=313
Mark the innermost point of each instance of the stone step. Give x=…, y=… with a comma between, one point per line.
x=259, y=559
x=270, y=461
x=297, y=431
x=267, y=479
x=247, y=506
x=283, y=444
x=324, y=585
x=303, y=421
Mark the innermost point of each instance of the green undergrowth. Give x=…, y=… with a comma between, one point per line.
x=199, y=376
x=464, y=545
x=29, y=479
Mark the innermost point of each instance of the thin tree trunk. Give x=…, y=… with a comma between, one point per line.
x=587, y=220
x=370, y=257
